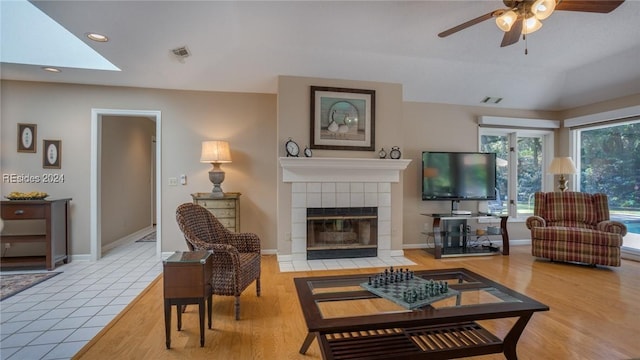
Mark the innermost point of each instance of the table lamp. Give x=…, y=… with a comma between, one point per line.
x=561, y=166
x=216, y=152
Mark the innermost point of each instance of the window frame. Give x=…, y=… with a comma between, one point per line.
x=512, y=134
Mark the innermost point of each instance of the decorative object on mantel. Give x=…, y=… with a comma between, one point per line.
x=308, y=152
x=216, y=152
x=27, y=138
x=292, y=148
x=342, y=119
x=382, y=154
x=52, y=154
x=395, y=153
x=561, y=166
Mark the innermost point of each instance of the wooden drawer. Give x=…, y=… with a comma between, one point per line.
x=217, y=204
x=223, y=213
x=229, y=223
x=226, y=209
x=22, y=211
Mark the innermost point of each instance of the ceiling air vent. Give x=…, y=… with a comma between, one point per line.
x=491, y=100
x=181, y=52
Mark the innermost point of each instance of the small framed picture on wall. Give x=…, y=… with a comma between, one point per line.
x=27, y=138
x=52, y=154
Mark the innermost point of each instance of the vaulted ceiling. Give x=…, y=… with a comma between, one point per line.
x=577, y=58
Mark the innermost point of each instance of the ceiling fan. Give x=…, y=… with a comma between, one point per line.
x=524, y=16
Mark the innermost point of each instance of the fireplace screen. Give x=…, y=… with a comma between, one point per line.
x=342, y=232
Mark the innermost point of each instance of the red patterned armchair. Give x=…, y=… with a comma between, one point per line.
x=575, y=227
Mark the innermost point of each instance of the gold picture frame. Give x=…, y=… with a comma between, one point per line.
x=27, y=138
x=51, y=154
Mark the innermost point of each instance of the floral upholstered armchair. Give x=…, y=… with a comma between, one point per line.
x=575, y=227
x=236, y=256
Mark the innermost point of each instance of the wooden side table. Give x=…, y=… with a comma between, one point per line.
x=226, y=209
x=187, y=280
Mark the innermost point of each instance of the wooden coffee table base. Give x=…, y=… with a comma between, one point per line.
x=426, y=342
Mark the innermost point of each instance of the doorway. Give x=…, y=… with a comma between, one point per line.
x=97, y=118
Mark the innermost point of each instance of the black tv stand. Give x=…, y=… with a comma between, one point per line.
x=452, y=235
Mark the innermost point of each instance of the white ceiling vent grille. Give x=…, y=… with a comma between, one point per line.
x=181, y=52
x=491, y=100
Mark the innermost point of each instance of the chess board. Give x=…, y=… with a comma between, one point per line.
x=395, y=291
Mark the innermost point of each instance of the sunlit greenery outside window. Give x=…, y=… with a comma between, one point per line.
x=609, y=162
x=523, y=156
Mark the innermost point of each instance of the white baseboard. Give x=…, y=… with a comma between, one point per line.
x=630, y=255
x=269, y=252
x=81, y=257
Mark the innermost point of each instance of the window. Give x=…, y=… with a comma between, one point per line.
x=609, y=162
x=523, y=155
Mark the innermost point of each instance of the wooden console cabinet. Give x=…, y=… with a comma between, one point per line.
x=55, y=213
x=225, y=209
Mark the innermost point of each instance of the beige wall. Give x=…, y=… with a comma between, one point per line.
x=256, y=125
x=63, y=111
x=294, y=122
x=442, y=127
x=126, y=176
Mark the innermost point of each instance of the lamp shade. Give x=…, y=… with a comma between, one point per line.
x=531, y=24
x=215, y=151
x=542, y=9
x=562, y=165
x=505, y=20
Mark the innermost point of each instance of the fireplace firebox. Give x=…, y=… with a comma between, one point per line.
x=334, y=233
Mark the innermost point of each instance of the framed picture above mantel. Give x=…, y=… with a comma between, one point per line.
x=342, y=119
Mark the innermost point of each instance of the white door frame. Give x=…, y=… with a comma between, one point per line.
x=94, y=201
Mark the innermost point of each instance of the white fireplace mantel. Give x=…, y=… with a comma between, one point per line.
x=341, y=169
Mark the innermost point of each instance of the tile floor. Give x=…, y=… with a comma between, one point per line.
x=56, y=318
x=338, y=264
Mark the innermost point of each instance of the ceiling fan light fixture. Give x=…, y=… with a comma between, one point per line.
x=542, y=9
x=506, y=20
x=531, y=24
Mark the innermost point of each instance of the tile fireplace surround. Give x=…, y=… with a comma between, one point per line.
x=341, y=182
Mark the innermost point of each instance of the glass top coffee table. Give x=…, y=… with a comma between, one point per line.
x=352, y=322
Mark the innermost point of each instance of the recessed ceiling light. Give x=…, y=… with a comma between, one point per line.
x=97, y=37
x=51, y=69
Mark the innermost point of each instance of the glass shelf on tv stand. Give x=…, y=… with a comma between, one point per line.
x=450, y=243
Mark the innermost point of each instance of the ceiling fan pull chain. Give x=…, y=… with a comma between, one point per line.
x=526, y=44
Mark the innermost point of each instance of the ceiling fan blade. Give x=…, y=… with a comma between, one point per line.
x=467, y=24
x=512, y=36
x=595, y=6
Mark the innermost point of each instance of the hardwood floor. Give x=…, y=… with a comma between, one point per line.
x=595, y=314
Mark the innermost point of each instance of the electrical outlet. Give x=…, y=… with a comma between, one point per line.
x=7, y=245
x=173, y=181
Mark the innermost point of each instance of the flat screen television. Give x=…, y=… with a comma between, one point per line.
x=458, y=176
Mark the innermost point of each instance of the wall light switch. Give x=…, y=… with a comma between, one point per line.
x=183, y=179
x=173, y=181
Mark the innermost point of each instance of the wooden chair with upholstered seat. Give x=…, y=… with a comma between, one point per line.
x=236, y=256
